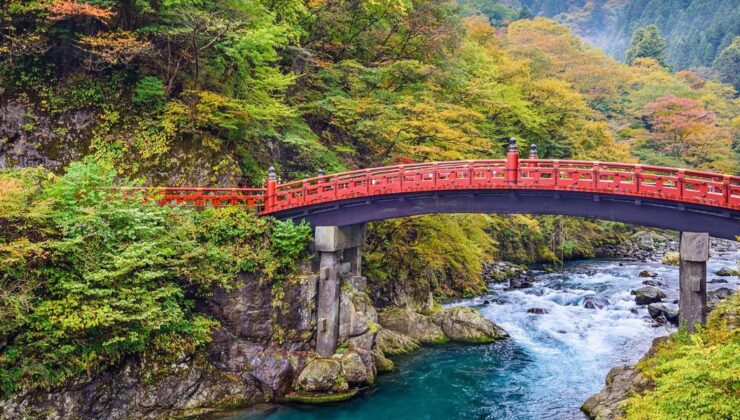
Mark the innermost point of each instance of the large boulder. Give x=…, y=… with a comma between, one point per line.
x=354, y=369
x=393, y=343
x=647, y=295
x=322, y=375
x=648, y=273
x=669, y=313
x=413, y=324
x=621, y=383
x=465, y=324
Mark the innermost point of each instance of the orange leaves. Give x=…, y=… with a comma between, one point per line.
x=112, y=48
x=66, y=9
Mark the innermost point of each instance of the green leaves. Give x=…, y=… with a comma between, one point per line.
x=115, y=275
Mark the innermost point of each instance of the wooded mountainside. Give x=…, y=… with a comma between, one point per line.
x=697, y=30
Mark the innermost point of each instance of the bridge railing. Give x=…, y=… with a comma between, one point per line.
x=202, y=197
x=565, y=175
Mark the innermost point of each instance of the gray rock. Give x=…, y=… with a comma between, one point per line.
x=648, y=294
x=719, y=294
x=648, y=273
x=661, y=310
x=716, y=281
x=465, y=324
x=538, y=311
x=382, y=363
x=595, y=302
x=652, y=283
x=354, y=369
x=322, y=375
x=621, y=382
x=726, y=272
x=393, y=343
x=415, y=325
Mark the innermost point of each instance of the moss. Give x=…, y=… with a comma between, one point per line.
x=316, y=398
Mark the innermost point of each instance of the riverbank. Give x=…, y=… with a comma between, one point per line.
x=550, y=364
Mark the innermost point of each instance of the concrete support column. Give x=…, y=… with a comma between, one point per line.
x=331, y=243
x=692, y=306
x=327, y=313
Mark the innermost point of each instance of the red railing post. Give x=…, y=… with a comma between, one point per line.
x=638, y=177
x=726, y=189
x=271, y=190
x=512, y=163
x=596, y=175
x=680, y=183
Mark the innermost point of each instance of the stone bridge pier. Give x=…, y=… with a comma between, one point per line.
x=339, y=249
x=692, y=302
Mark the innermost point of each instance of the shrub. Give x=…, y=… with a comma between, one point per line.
x=150, y=92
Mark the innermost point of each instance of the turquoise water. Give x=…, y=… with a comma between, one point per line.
x=551, y=364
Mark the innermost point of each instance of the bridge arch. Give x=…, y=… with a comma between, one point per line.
x=648, y=212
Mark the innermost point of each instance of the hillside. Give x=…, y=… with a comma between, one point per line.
x=697, y=30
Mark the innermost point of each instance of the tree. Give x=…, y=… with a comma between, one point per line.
x=727, y=64
x=677, y=122
x=647, y=42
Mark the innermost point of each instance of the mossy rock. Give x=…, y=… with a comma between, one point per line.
x=320, y=398
x=466, y=325
x=382, y=363
x=413, y=324
x=671, y=258
x=393, y=343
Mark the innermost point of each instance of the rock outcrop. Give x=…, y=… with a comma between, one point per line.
x=392, y=343
x=412, y=324
x=621, y=383
x=465, y=324
x=647, y=295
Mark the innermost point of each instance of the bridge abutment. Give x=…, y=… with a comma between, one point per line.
x=692, y=306
x=340, y=253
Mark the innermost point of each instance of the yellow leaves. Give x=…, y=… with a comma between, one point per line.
x=114, y=48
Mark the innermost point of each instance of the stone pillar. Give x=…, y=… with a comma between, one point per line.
x=331, y=242
x=327, y=313
x=692, y=306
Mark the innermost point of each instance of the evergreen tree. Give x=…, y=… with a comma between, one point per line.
x=647, y=42
x=727, y=64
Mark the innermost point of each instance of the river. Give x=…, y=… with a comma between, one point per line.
x=548, y=367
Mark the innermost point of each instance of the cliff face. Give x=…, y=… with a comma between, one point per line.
x=258, y=354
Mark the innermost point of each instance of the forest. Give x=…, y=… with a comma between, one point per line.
x=103, y=93
x=700, y=33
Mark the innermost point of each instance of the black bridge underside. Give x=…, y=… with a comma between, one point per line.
x=719, y=223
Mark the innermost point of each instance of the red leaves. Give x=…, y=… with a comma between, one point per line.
x=66, y=9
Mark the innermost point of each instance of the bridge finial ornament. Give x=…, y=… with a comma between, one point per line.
x=321, y=172
x=512, y=145
x=533, y=151
x=271, y=173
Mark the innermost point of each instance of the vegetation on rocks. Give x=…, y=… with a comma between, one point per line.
x=694, y=375
x=92, y=273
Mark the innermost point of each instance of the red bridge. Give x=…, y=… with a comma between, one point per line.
x=653, y=196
